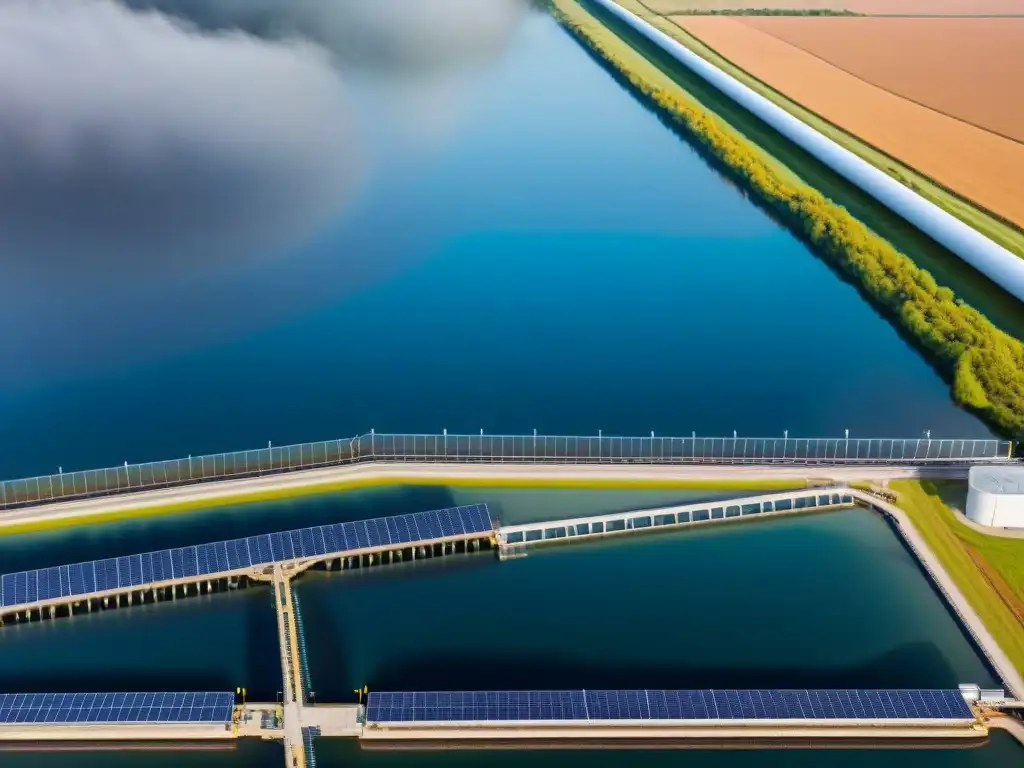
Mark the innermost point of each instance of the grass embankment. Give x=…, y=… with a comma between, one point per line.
x=995, y=227
x=361, y=483
x=984, y=364
x=989, y=570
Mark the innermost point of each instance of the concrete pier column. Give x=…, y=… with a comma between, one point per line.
x=106, y=602
x=129, y=598
x=209, y=587
x=53, y=611
x=328, y=564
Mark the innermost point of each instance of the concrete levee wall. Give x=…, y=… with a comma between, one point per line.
x=995, y=262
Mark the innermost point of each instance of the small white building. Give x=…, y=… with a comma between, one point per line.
x=995, y=496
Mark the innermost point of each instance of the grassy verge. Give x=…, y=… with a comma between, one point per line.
x=984, y=364
x=989, y=570
x=354, y=484
x=996, y=228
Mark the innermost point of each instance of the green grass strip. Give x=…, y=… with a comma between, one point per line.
x=952, y=541
x=360, y=483
x=984, y=364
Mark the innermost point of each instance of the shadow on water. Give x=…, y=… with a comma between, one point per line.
x=905, y=666
x=947, y=268
x=262, y=671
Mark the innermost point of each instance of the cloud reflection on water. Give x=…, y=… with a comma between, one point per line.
x=148, y=147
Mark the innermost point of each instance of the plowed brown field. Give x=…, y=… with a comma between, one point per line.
x=965, y=68
x=871, y=7
x=973, y=162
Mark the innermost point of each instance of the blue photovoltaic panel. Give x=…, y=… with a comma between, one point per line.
x=401, y=529
x=428, y=525
x=299, y=543
x=238, y=554
x=266, y=552
x=286, y=545
x=331, y=541
x=165, y=565
x=162, y=565
x=393, y=533
x=43, y=584
x=362, y=535
x=447, y=524
x=147, y=568
x=32, y=587
x=78, y=579
x=42, y=708
x=189, y=562
x=220, y=557
x=277, y=547
x=649, y=705
x=177, y=566
x=319, y=542
x=135, y=570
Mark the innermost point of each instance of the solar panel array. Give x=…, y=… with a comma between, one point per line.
x=99, y=708
x=514, y=706
x=137, y=570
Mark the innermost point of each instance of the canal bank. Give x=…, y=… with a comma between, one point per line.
x=904, y=292
x=635, y=565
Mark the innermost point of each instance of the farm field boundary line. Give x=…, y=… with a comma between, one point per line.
x=921, y=80
x=997, y=228
x=906, y=98
x=985, y=168
x=984, y=364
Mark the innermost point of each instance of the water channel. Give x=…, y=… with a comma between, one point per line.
x=553, y=258
x=550, y=256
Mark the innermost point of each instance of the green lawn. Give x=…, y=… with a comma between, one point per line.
x=952, y=541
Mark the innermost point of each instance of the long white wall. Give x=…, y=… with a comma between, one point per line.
x=997, y=263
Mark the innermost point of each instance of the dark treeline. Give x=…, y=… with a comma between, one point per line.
x=984, y=364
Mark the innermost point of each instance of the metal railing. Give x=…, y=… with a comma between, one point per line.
x=512, y=449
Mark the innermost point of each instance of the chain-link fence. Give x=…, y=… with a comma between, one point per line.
x=511, y=449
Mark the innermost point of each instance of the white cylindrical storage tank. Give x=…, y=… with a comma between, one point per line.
x=995, y=496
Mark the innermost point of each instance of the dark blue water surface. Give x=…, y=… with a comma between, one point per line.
x=531, y=250
x=547, y=256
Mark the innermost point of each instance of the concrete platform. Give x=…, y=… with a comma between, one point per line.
x=149, y=733
x=698, y=735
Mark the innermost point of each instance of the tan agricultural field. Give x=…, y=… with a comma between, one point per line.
x=969, y=69
x=870, y=7
x=976, y=164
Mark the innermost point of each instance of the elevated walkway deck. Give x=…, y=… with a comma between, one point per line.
x=670, y=517
x=164, y=574
x=551, y=718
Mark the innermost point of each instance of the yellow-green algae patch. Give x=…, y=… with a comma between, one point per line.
x=359, y=483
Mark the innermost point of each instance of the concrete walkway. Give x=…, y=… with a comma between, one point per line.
x=968, y=617
x=225, y=491
x=1011, y=725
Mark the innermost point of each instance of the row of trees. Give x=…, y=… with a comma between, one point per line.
x=984, y=364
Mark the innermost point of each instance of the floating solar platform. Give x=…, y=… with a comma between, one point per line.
x=114, y=708
x=118, y=573
x=580, y=707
